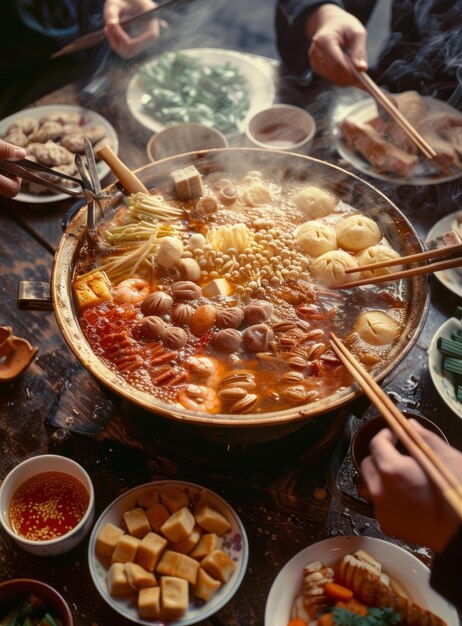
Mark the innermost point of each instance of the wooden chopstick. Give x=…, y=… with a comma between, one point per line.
x=381, y=97
x=413, y=271
x=414, y=443
x=91, y=39
x=410, y=258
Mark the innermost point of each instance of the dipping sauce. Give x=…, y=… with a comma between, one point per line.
x=48, y=506
x=280, y=135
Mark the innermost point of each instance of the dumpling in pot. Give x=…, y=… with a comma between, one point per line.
x=377, y=254
x=376, y=328
x=357, y=232
x=329, y=268
x=316, y=238
x=314, y=201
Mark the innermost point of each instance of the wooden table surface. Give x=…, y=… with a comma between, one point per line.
x=279, y=488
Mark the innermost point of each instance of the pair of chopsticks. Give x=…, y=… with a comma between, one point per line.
x=91, y=39
x=384, y=101
x=441, y=476
x=414, y=271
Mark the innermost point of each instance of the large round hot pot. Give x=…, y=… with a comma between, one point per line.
x=258, y=427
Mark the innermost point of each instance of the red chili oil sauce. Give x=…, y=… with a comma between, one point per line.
x=47, y=506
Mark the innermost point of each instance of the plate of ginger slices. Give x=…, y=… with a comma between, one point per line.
x=168, y=552
x=376, y=146
x=52, y=135
x=346, y=576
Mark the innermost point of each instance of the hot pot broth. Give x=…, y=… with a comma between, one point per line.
x=227, y=316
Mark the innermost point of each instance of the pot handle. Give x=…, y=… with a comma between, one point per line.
x=346, y=499
x=34, y=295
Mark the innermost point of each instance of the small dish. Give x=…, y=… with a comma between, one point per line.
x=30, y=468
x=443, y=381
x=281, y=127
x=405, y=568
x=452, y=278
x=183, y=138
x=235, y=544
x=17, y=589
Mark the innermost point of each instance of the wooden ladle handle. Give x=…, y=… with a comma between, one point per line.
x=128, y=179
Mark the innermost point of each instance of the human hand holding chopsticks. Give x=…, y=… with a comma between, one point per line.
x=407, y=504
x=129, y=45
x=9, y=185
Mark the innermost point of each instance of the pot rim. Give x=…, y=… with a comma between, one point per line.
x=66, y=318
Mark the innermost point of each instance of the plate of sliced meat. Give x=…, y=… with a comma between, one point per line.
x=53, y=135
x=374, y=144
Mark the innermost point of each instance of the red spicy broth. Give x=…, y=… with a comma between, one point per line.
x=48, y=506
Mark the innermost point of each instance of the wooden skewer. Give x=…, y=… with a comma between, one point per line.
x=413, y=271
x=435, y=469
x=381, y=97
x=410, y=258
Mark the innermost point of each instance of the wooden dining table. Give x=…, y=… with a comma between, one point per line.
x=283, y=489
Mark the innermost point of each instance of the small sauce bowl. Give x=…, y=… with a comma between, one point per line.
x=183, y=138
x=16, y=590
x=281, y=127
x=36, y=470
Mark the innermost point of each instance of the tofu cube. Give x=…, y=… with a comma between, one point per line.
x=205, y=586
x=179, y=525
x=138, y=577
x=207, y=544
x=125, y=549
x=174, y=499
x=157, y=515
x=189, y=543
x=188, y=182
x=174, y=597
x=219, y=565
x=117, y=583
x=149, y=603
x=92, y=289
x=107, y=539
x=180, y=565
x=150, y=550
x=210, y=519
x=217, y=287
x=148, y=498
x=137, y=522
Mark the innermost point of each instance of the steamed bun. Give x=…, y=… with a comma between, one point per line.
x=316, y=238
x=329, y=268
x=377, y=254
x=376, y=328
x=314, y=201
x=357, y=232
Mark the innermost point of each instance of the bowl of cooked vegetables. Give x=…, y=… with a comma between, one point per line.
x=445, y=362
x=29, y=602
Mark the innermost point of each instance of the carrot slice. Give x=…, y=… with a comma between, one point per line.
x=297, y=622
x=337, y=592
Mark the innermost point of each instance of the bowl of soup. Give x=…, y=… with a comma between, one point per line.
x=210, y=300
x=47, y=504
x=28, y=601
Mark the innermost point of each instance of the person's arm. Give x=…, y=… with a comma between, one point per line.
x=129, y=46
x=9, y=185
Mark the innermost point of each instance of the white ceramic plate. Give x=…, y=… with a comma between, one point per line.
x=452, y=278
x=365, y=111
x=257, y=72
x=235, y=545
x=444, y=382
x=405, y=568
x=88, y=117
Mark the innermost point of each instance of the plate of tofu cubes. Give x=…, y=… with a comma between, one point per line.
x=168, y=552
x=445, y=362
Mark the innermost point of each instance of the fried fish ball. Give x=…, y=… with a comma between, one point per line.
x=75, y=141
x=17, y=138
x=62, y=117
x=49, y=130
x=377, y=254
x=314, y=201
x=357, y=232
x=24, y=125
x=50, y=153
x=315, y=237
x=376, y=328
x=329, y=268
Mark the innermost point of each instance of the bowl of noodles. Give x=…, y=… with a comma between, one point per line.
x=211, y=298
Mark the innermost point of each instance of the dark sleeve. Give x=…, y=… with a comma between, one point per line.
x=290, y=30
x=445, y=576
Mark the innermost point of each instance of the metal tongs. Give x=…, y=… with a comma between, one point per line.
x=25, y=169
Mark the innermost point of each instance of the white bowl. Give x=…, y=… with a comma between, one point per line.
x=235, y=544
x=281, y=127
x=29, y=468
x=443, y=381
x=402, y=566
x=183, y=138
